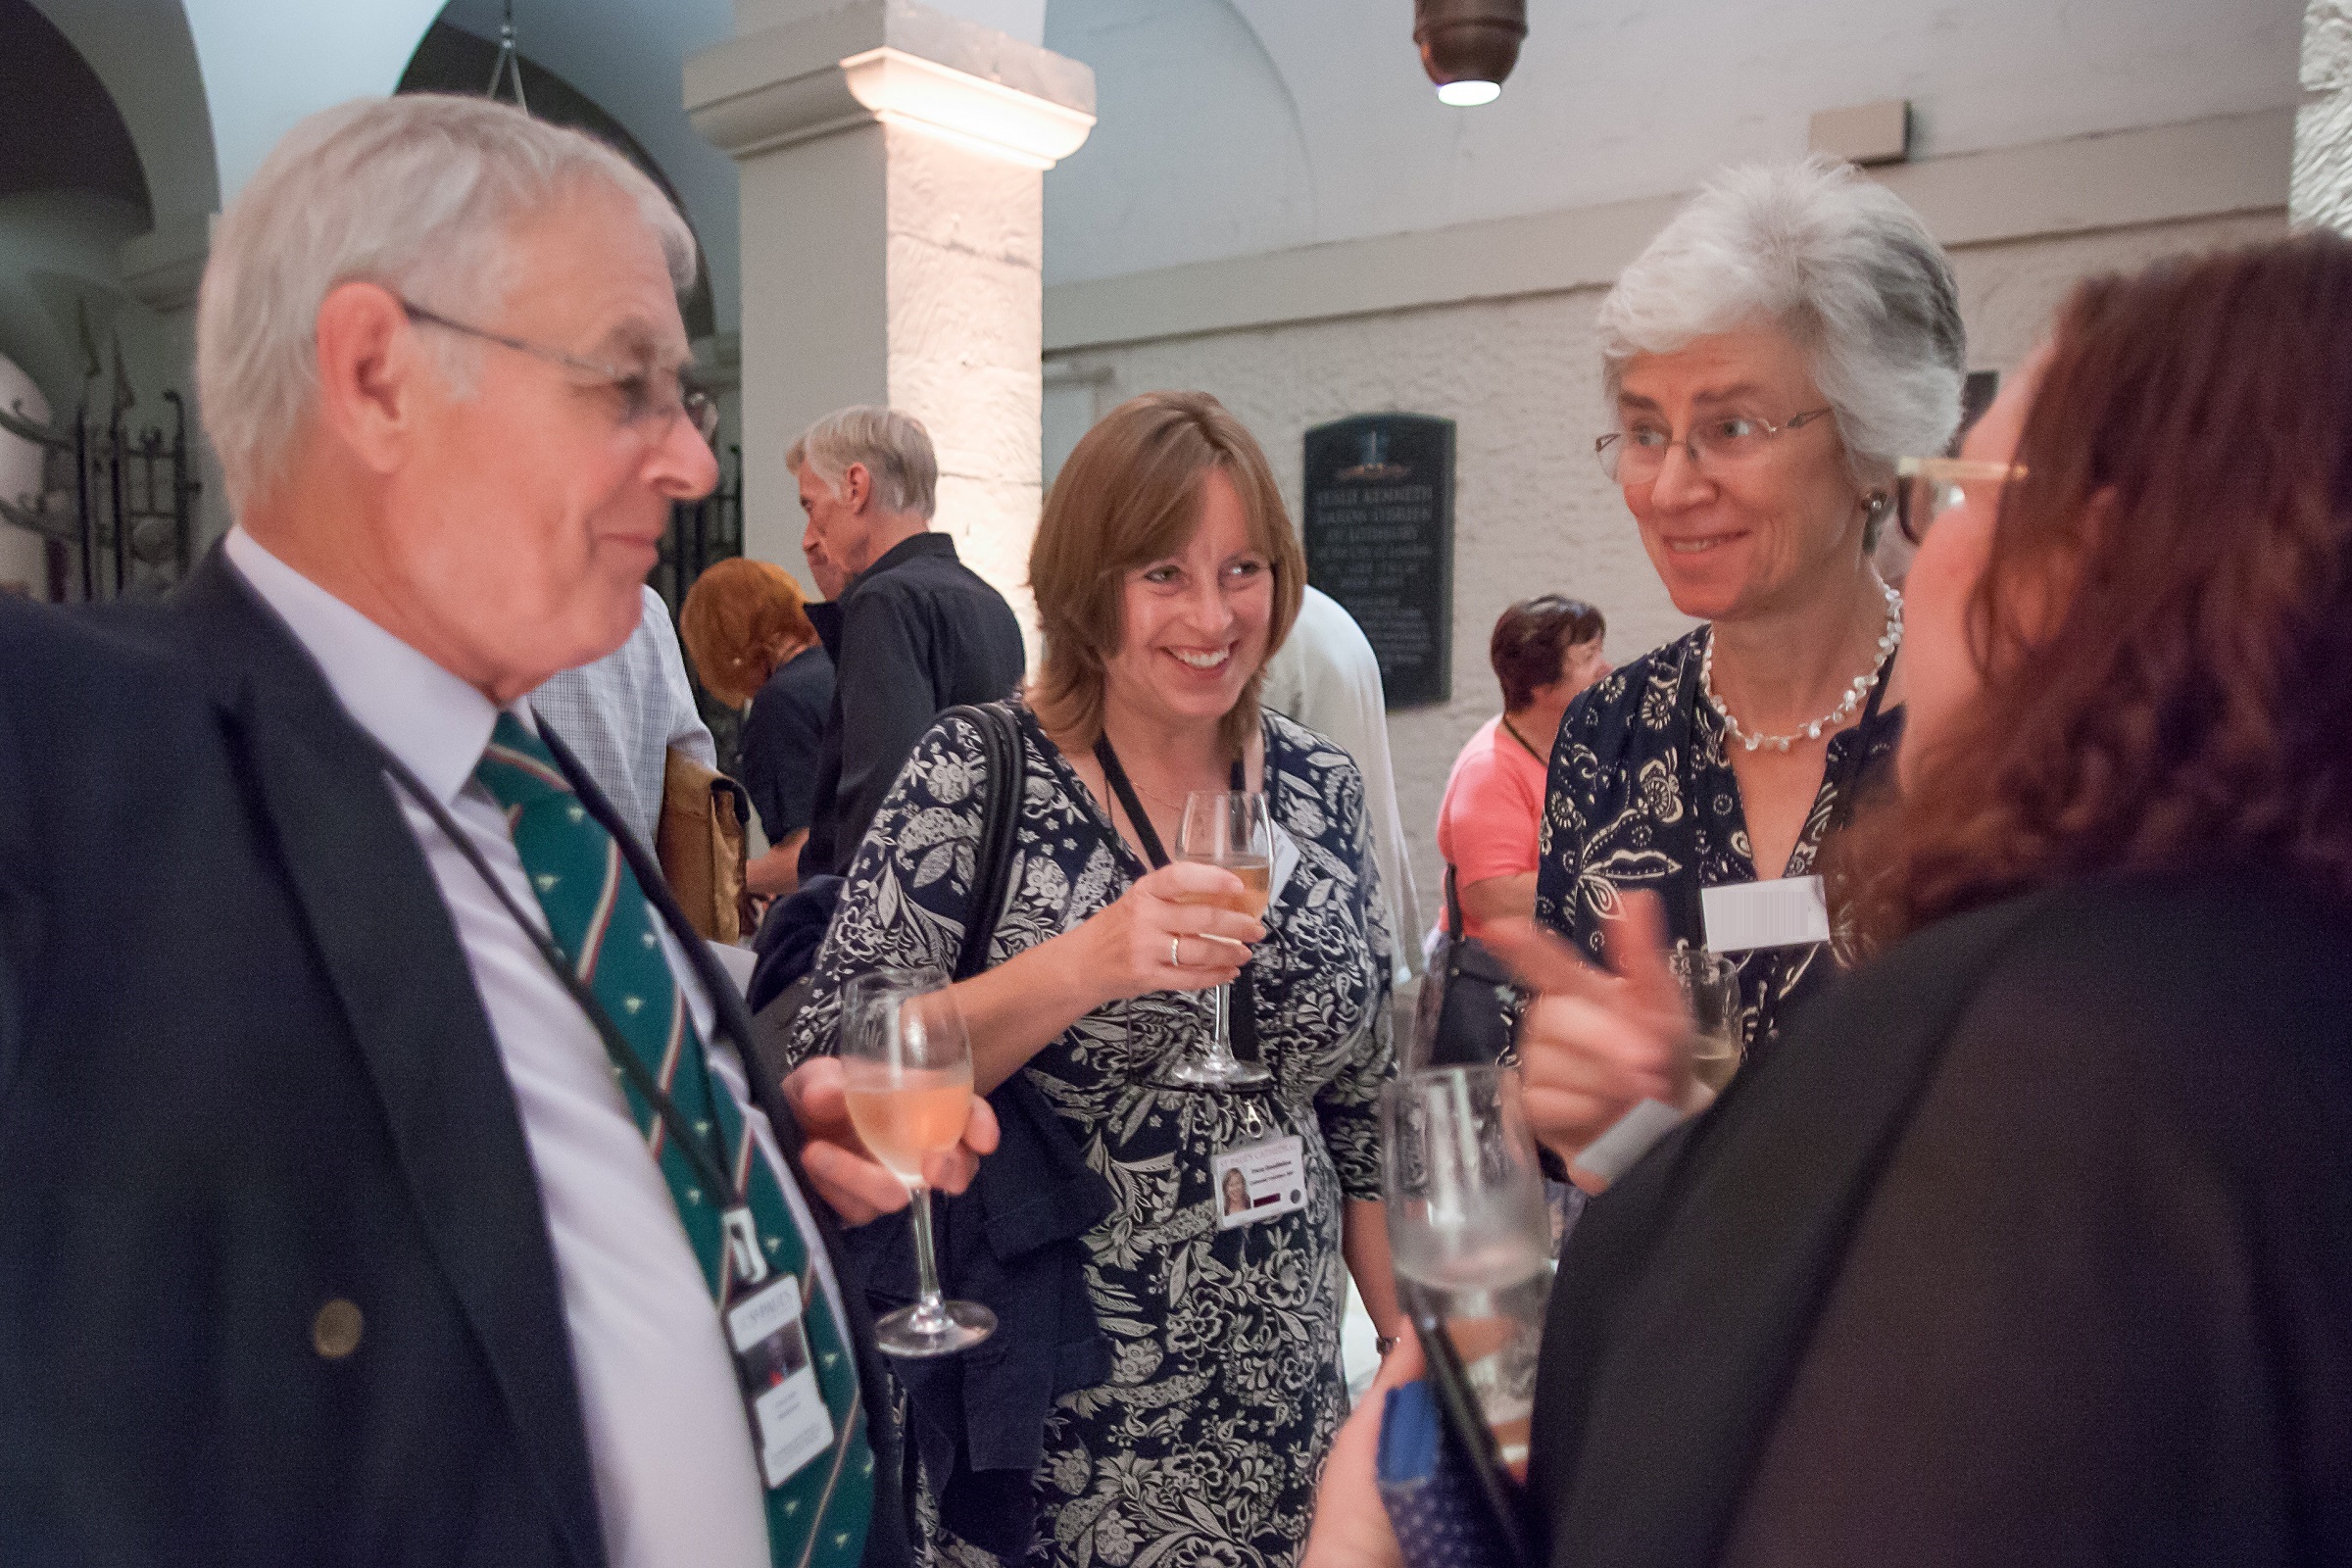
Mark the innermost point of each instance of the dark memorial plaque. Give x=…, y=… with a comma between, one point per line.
x=1380, y=540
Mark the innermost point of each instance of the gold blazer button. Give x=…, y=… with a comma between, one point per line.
x=335, y=1331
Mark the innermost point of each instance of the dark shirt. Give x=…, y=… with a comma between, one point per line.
x=917, y=632
x=776, y=758
x=2029, y=1246
x=1641, y=795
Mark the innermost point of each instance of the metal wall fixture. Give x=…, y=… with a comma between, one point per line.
x=117, y=511
x=1469, y=46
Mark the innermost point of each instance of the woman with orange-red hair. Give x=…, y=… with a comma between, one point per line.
x=752, y=643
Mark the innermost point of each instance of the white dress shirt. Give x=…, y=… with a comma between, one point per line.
x=1326, y=676
x=676, y=1484
x=621, y=714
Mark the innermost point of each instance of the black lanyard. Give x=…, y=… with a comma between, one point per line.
x=1241, y=1015
x=712, y=1169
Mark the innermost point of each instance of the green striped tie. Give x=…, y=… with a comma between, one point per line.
x=599, y=916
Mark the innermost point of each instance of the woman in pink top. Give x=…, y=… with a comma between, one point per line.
x=1545, y=650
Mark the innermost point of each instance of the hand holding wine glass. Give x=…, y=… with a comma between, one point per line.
x=906, y=1064
x=1228, y=829
x=856, y=1186
x=1594, y=1043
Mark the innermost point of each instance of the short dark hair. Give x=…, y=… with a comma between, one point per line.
x=1532, y=640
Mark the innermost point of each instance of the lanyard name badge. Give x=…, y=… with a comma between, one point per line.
x=773, y=1370
x=1265, y=1177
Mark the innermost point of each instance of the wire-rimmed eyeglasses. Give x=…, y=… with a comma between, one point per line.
x=645, y=403
x=1717, y=444
x=1931, y=486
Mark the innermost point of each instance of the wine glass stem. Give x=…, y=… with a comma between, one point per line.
x=1220, y=1043
x=930, y=1310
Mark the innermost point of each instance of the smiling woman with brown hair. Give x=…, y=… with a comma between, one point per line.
x=1165, y=570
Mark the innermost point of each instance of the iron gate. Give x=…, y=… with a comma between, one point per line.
x=118, y=511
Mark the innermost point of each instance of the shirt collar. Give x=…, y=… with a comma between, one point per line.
x=926, y=543
x=433, y=721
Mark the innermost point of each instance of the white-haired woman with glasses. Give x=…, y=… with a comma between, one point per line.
x=1789, y=332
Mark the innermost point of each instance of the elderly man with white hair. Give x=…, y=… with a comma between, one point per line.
x=382, y=1184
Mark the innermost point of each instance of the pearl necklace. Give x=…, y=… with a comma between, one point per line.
x=1889, y=642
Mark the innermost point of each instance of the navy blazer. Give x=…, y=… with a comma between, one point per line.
x=244, y=1073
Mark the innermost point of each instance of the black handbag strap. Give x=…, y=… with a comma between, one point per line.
x=1003, y=776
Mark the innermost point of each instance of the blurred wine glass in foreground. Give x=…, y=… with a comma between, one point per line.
x=1469, y=1232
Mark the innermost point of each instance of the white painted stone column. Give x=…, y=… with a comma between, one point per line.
x=2320, y=194
x=893, y=163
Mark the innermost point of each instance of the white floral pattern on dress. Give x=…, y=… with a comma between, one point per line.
x=1204, y=1444
x=1620, y=775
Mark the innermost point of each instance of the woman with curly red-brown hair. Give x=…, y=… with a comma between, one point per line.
x=2032, y=1244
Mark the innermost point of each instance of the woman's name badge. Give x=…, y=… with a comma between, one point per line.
x=1778, y=913
x=771, y=1362
x=1260, y=1182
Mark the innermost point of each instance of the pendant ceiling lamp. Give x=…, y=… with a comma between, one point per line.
x=1468, y=46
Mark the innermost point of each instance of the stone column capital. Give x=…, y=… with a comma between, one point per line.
x=891, y=63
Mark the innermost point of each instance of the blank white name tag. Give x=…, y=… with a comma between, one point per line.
x=1765, y=914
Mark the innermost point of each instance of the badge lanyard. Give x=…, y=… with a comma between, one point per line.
x=790, y=1424
x=709, y=1168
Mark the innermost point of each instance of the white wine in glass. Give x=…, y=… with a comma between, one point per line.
x=1227, y=828
x=906, y=1071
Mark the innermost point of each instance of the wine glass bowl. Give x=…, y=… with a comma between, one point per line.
x=906, y=1074
x=1710, y=988
x=1228, y=829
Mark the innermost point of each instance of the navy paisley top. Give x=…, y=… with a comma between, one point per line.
x=1204, y=1446
x=1641, y=795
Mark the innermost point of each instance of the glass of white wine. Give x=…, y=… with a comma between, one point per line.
x=907, y=1066
x=1711, y=987
x=1226, y=828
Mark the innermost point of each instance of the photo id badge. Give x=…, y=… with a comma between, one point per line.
x=1259, y=1181
x=1778, y=913
x=779, y=1385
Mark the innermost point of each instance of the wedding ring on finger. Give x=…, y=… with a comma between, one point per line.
x=1174, y=961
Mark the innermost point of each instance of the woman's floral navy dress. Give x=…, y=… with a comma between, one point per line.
x=1640, y=796
x=1204, y=1444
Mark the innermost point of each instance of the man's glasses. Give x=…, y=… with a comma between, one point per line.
x=649, y=398
x=1932, y=486
x=1719, y=444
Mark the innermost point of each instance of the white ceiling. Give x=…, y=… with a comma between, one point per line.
x=1231, y=127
